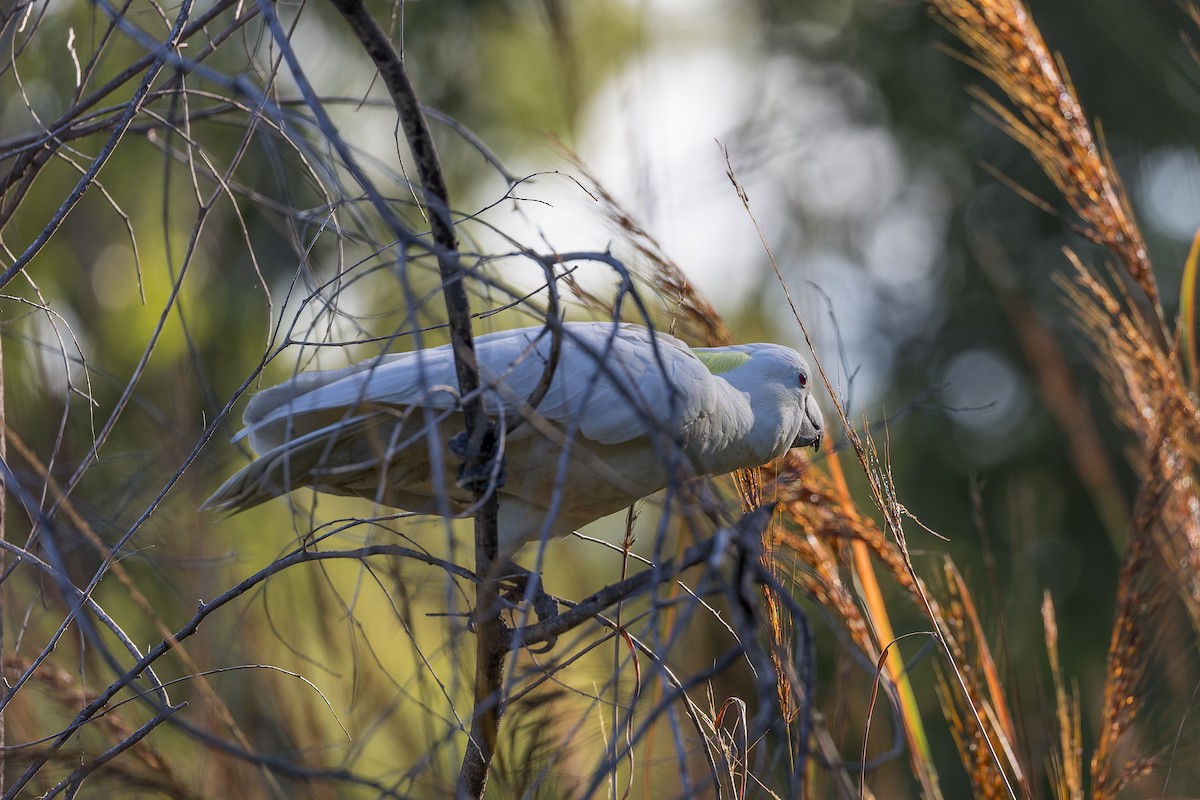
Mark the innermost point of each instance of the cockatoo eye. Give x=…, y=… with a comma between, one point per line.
x=803, y=380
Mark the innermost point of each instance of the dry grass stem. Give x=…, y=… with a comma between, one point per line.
x=994, y=731
x=1066, y=763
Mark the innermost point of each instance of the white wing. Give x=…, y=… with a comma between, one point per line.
x=646, y=380
x=620, y=383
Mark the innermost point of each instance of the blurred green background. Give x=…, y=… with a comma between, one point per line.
x=866, y=161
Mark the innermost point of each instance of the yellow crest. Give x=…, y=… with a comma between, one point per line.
x=719, y=361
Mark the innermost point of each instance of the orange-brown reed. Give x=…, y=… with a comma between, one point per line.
x=985, y=690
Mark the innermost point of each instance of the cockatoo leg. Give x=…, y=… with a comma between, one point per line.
x=474, y=476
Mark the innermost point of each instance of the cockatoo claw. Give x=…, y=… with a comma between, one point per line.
x=460, y=445
x=483, y=476
x=544, y=605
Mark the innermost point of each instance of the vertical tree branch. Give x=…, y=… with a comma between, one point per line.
x=491, y=633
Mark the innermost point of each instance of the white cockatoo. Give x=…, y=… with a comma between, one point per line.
x=632, y=407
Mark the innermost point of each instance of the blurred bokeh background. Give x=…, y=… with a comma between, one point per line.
x=904, y=222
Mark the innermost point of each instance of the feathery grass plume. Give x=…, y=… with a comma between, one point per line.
x=1117, y=760
x=1138, y=374
x=876, y=467
x=685, y=305
x=985, y=691
x=832, y=520
x=1165, y=520
x=1066, y=763
x=878, y=472
x=1048, y=120
x=1150, y=396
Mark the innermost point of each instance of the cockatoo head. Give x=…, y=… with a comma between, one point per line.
x=778, y=382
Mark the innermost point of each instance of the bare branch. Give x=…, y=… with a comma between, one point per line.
x=491, y=633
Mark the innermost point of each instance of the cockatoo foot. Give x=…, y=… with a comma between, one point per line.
x=516, y=589
x=475, y=475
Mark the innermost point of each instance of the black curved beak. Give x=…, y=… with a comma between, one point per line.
x=812, y=426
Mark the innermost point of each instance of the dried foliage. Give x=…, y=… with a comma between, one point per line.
x=1149, y=389
x=993, y=731
x=1066, y=762
x=1150, y=395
